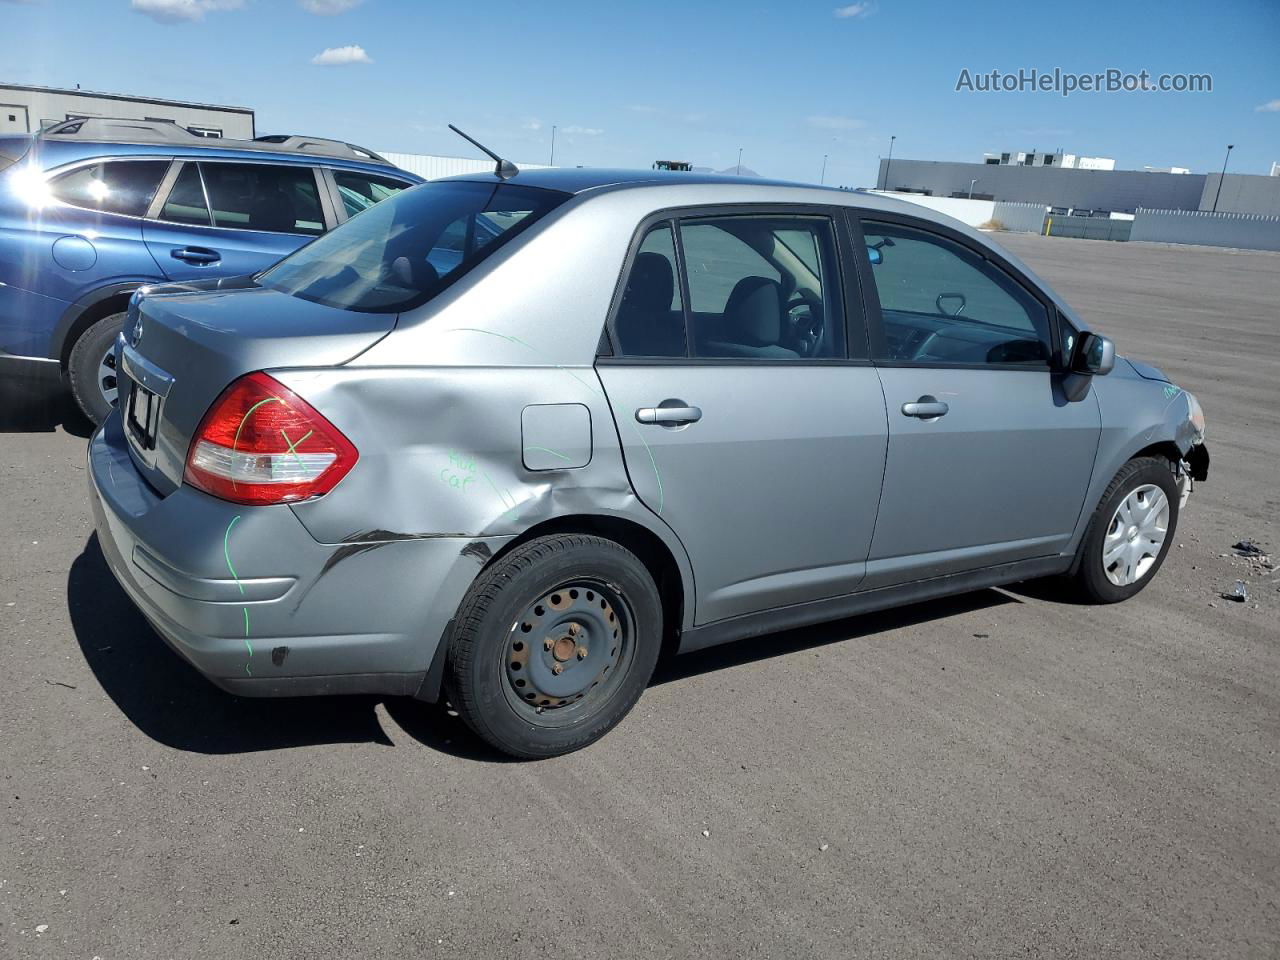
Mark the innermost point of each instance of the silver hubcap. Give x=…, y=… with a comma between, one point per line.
x=107, y=385
x=1135, y=535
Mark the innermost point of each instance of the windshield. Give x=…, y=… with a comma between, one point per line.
x=403, y=251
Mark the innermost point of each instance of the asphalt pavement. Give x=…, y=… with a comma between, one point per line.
x=996, y=775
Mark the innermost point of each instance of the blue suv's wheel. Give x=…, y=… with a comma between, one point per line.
x=92, y=368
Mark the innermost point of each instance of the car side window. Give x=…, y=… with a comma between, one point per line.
x=763, y=288
x=941, y=302
x=185, y=203
x=650, y=318
x=119, y=186
x=275, y=198
x=360, y=191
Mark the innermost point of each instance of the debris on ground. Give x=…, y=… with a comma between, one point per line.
x=982, y=636
x=59, y=683
x=706, y=833
x=1239, y=593
x=1247, y=548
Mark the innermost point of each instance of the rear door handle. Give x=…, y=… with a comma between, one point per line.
x=926, y=408
x=670, y=413
x=199, y=255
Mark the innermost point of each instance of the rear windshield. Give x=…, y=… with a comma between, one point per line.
x=403, y=251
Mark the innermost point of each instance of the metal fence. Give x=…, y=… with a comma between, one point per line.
x=1243, y=230
x=1087, y=228
x=1020, y=217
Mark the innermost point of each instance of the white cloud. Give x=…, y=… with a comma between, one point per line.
x=583, y=131
x=181, y=11
x=642, y=108
x=835, y=123
x=1271, y=106
x=329, y=8
x=532, y=124
x=341, y=56
x=855, y=10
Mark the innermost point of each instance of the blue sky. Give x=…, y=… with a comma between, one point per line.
x=627, y=82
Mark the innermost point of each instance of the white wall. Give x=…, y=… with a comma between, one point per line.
x=433, y=167
x=972, y=212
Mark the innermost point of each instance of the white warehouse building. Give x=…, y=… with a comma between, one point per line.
x=29, y=109
x=1032, y=158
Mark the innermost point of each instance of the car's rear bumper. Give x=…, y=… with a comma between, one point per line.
x=253, y=602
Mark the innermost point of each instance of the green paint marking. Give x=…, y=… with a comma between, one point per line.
x=293, y=447
x=247, y=644
x=657, y=476
x=554, y=453
x=226, y=553
x=243, y=421
x=248, y=414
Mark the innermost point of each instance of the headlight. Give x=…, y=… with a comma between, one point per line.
x=1196, y=416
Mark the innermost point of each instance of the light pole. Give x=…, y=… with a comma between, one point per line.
x=888, y=163
x=553, y=145
x=823, y=178
x=1223, y=176
x=739, y=161
x=971, y=183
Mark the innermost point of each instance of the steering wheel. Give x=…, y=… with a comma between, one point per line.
x=806, y=327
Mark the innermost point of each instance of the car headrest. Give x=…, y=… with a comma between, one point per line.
x=753, y=312
x=651, y=285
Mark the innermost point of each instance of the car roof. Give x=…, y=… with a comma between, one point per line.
x=55, y=153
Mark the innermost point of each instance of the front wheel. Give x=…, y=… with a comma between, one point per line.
x=1130, y=532
x=92, y=368
x=554, y=644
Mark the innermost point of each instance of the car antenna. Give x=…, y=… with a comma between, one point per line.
x=504, y=170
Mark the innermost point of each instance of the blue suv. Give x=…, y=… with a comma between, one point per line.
x=93, y=209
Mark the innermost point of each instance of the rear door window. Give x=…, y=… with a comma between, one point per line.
x=360, y=191
x=185, y=203
x=117, y=186
x=763, y=288
x=650, y=319
x=259, y=196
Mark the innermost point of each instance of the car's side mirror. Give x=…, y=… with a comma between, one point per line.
x=1095, y=356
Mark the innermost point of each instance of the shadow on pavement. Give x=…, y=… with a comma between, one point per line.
x=38, y=405
x=794, y=641
x=173, y=704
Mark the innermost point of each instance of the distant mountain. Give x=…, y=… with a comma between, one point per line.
x=744, y=172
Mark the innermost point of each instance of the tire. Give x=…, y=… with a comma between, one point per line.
x=1131, y=560
x=580, y=603
x=91, y=368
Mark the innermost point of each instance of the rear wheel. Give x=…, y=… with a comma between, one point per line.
x=92, y=368
x=1130, y=532
x=554, y=644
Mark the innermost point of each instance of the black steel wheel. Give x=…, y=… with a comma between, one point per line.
x=554, y=644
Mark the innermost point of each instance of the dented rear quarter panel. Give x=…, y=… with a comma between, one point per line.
x=441, y=456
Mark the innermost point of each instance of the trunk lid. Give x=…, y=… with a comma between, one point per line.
x=186, y=342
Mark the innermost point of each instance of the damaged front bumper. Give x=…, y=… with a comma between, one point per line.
x=1193, y=467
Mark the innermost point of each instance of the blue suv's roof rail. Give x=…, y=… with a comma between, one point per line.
x=121, y=130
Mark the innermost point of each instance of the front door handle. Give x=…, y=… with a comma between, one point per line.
x=670, y=413
x=926, y=408
x=195, y=255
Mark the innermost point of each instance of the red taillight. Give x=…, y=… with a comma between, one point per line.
x=261, y=443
